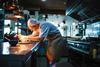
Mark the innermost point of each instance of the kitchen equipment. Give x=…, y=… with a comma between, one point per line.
x=13, y=42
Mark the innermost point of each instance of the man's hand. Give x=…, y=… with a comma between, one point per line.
x=23, y=39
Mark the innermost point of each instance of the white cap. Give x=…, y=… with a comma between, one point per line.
x=33, y=21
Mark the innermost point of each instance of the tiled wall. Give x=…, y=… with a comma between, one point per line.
x=93, y=30
x=71, y=26
x=57, y=21
x=67, y=29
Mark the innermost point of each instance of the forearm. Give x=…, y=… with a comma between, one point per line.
x=29, y=38
x=33, y=38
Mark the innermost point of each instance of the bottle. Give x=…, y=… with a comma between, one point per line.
x=94, y=53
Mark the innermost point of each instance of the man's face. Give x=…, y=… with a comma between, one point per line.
x=33, y=27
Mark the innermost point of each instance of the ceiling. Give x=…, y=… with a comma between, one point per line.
x=49, y=6
x=83, y=9
x=78, y=9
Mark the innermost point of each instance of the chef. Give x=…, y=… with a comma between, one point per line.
x=44, y=30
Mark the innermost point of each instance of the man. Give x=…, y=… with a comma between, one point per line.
x=44, y=30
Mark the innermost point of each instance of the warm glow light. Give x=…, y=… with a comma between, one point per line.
x=18, y=16
x=22, y=47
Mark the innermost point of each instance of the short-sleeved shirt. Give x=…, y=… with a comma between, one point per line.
x=56, y=45
x=48, y=29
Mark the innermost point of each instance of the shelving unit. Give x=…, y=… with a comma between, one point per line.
x=1, y=24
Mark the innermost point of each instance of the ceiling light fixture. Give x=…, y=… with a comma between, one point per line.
x=43, y=0
x=18, y=16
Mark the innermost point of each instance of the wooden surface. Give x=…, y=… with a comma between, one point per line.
x=21, y=55
x=19, y=49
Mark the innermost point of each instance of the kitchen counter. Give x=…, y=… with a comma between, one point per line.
x=84, y=47
x=18, y=56
x=19, y=49
x=80, y=46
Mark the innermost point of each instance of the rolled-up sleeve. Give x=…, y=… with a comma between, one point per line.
x=44, y=31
